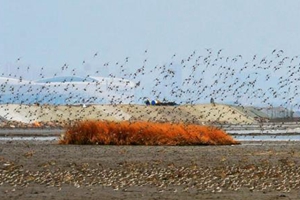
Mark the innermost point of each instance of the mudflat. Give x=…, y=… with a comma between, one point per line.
x=252, y=170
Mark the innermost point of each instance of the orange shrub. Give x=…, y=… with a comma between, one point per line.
x=143, y=133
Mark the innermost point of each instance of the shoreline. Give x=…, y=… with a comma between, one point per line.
x=243, y=135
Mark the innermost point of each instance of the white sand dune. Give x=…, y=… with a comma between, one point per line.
x=202, y=113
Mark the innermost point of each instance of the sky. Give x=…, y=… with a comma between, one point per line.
x=40, y=37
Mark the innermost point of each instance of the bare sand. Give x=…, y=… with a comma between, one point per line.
x=200, y=114
x=46, y=170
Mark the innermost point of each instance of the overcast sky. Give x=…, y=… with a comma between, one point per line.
x=49, y=34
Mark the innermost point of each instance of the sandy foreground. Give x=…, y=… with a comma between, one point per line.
x=46, y=170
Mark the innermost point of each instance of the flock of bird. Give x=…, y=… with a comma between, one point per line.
x=267, y=81
x=184, y=171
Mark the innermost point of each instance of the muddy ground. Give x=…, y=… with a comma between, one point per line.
x=46, y=170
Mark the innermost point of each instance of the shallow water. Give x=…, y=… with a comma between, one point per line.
x=267, y=137
x=262, y=132
x=237, y=137
x=240, y=135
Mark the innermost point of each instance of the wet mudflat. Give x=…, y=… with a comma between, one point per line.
x=46, y=170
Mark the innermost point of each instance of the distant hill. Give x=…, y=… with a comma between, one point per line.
x=67, y=90
x=252, y=111
x=196, y=114
x=268, y=112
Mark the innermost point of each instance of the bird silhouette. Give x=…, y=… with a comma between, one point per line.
x=268, y=81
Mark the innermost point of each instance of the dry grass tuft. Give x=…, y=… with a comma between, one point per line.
x=144, y=133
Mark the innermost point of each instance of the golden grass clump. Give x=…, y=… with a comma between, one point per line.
x=143, y=133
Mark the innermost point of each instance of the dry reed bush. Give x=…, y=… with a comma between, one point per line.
x=143, y=133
